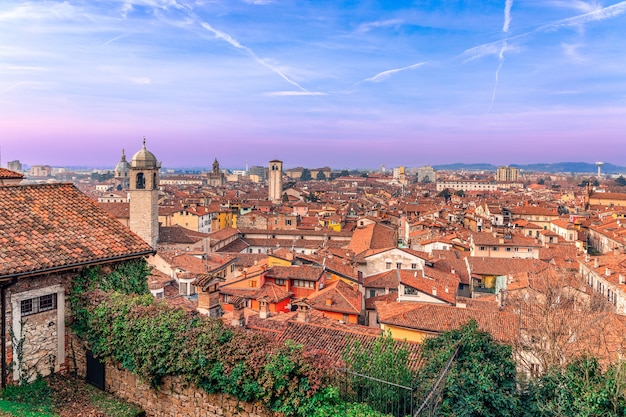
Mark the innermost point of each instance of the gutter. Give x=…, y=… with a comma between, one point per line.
x=77, y=265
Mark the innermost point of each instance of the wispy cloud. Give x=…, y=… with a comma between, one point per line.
x=366, y=27
x=296, y=93
x=116, y=38
x=494, y=48
x=141, y=80
x=597, y=14
x=381, y=76
x=581, y=6
x=571, y=51
x=258, y=2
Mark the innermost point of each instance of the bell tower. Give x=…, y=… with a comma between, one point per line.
x=144, y=195
x=276, y=181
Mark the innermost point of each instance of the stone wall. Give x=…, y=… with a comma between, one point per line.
x=173, y=398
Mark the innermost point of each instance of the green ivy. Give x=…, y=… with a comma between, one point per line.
x=154, y=340
x=129, y=277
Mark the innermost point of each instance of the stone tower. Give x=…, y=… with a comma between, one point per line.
x=144, y=195
x=215, y=177
x=276, y=180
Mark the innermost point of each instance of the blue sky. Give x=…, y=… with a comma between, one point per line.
x=341, y=83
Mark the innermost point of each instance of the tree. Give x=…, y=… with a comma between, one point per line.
x=559, y=321
x=579, y=389
x=306, y=175
x=385, y=360
x=480, y=380
x=460, y=193
x=426, y=180
x=445, y=194
x=320, y=176
x=620, y=181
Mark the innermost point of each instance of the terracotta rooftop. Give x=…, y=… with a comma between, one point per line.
x=438, y=318
x=372, y=236
x=325, y=334
x=177, y=234
x=55, y=226
x=117, y=210
x=388, y=279
x=337, y=296
x=303, y=272
x=7, y=174
x=436, y=283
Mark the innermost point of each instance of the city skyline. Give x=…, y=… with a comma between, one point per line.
x=352, y=85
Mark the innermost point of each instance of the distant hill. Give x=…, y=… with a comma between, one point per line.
x=465, y=167
x=574, y=167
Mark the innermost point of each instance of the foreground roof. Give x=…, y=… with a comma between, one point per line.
x=54, y=226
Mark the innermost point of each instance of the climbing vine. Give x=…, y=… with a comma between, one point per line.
x=153, y=340
x=128, y=277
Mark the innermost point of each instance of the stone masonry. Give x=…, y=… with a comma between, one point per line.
x=173, y=398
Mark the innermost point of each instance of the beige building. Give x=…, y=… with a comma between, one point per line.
x=507, y=174
x=144, y=195
x=40, y=171
x=276, y=180
x=491, y=245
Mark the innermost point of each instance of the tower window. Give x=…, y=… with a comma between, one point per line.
x=141, y=181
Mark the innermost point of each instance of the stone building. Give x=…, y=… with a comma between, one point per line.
x=122, y=173
x=49, y=233
x=144, y=195
x=276, y=181
x=215, y=178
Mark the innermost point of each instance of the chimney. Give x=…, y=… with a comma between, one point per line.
x=329, y=301
x=238, y=317
x=621, y=279
x=303, y=313
x=435, y=291
x=452, y=271
x=607, y=272
x=264, y=309
x=596, y=263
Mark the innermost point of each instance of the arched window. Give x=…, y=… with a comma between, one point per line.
x=141, y=181
x=154, y=181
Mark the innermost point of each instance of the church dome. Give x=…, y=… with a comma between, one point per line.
x=144, y=158
x=122, y=167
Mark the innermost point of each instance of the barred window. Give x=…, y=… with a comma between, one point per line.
x=38, y=304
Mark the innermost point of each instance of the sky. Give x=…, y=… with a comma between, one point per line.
x=345, y=84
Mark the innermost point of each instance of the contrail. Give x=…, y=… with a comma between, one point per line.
x=226, y=37
x=386, y=74
x=234, y=43
x=491, y=48
x=505, y=28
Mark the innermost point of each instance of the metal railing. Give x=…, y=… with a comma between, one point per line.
x=383, y=396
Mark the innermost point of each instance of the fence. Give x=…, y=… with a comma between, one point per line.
x=384, y=396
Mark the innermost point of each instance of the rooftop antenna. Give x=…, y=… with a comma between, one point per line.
x=599, y=164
